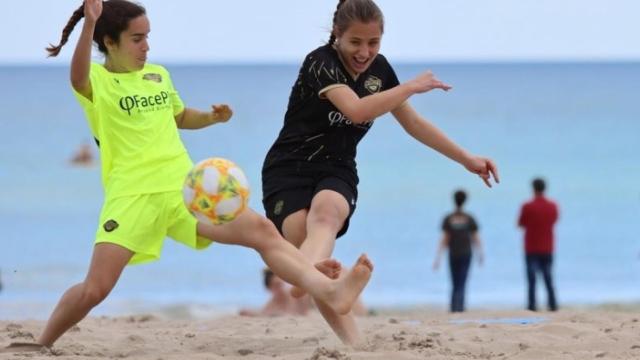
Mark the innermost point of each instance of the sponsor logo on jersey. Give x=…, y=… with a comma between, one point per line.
x=336, y=118
x=373, y=84
x=152, y=77
x=143, y=103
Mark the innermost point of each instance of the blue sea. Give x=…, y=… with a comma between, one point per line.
x=575, y=124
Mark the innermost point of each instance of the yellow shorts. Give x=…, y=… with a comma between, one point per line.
x=141, y=222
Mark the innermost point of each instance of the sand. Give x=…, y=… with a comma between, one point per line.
x=600, y=333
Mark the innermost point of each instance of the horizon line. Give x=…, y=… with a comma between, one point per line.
x=395, y=63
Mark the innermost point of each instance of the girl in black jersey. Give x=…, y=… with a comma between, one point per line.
x=309, y=174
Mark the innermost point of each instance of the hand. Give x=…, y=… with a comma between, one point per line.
x=484, y=167
x=427, y=82
x=221, y=113
x=92, y=10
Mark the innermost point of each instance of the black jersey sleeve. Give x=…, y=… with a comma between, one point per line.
x=445, y=224
x=473, y=225
x=321, y=69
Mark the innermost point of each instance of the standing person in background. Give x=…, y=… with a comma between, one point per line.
x=459, y=235
x=537, y=218
x=309, y=176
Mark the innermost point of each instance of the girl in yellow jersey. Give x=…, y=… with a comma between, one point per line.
x=134, y=112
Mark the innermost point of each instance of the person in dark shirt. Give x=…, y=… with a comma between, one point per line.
x=460, y=236
x=309, y=176
x=537, y=218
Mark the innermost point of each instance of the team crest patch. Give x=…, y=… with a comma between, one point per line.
x=152, y=77
x=373, y=84
x=110, y=225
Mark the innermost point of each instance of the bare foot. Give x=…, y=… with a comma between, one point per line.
x=17, y=347
x=329, y=267
x=349, y=287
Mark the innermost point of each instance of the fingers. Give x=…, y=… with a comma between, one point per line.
x=221, y=108
x=222, y=112
x=437, y=84
x=490, y=170
x=493, y=169
x=432, y=82
x=92, y=7
x=445, y=87
x=485, y=178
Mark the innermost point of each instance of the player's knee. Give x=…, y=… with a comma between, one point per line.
x=266, y=231
x=93, y=294
x=329, y=217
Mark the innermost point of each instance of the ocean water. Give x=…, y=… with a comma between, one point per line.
x=577, y=125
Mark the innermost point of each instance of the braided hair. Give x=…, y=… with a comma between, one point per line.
x=332, y=38
x=115, y=18
x=54, y=50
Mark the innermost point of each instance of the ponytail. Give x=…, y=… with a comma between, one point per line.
x=348, y=11
x=77, y=15
x=115, y=18
x=332, y=38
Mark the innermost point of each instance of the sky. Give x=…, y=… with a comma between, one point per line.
x=283, y=31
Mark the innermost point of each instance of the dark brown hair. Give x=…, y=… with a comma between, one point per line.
x=459, y=197
x=349, y=11
x=115, y=18
x=538, y=185
x=267, y=275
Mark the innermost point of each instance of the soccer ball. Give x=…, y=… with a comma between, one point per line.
x=216, y=191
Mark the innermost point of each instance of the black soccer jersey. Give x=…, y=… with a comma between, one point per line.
x=460, y=226
x=314, y=130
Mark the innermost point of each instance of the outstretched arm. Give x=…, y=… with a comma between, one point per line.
x=428, y=134
x=196, y=119
x=361, y=110
x=477, y=247
x=81, y=60
x=442, y=246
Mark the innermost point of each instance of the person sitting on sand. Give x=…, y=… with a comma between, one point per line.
x=83, y=156
x=281, y=302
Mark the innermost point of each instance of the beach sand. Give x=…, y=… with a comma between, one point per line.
x=597, y=333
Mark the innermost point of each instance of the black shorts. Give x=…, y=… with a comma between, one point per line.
x=286, y=202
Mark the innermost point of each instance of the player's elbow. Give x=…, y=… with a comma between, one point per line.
x=79, y=81
x=360, y=116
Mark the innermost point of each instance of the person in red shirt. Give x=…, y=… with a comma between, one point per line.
x=537, y=218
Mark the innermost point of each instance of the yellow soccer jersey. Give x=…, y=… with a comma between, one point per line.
x=132, y=115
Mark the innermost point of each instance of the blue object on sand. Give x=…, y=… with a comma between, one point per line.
x=514, y=320
x=411, y=322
